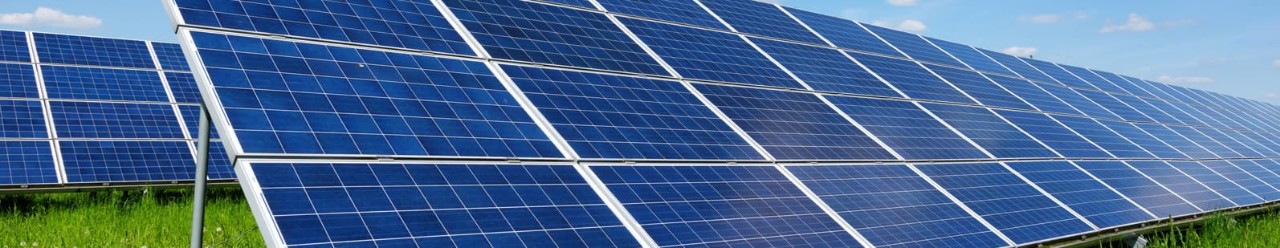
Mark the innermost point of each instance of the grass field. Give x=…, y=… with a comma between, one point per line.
x=1255, y=231
x=124, y=218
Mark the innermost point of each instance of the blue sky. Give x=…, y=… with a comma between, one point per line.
x=1230, y=46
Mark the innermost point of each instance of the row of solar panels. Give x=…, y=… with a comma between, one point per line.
x=80, y=110
x=652, y=124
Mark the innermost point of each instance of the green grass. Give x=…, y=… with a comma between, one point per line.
x=124, y=218
x=1255, y=231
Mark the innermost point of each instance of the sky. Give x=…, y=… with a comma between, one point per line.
x=1227, y=46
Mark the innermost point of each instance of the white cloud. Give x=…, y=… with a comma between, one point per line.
x=909, y=25
x=1185, y=80
x=1276, y=64
x=1136, y=23
x=902, y=2
x=50, y=17
x=1272, y=95
x=1020, y=51
x=1053, y=18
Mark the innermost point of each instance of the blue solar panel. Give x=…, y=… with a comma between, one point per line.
x=1250, y=145
x=430, y=205
x=18, y=80
x=1084, y=105
x=403, y=24
x=1018, y=66
x=709, y=55
x=1108, y=139
x=1141, y=106
x=80, y=50
x=349, y=101
x=793, y=126
x=844, y=33
x=1232, y=147
x=1057, y=73
x=27, y=162
x=747, y=206
x=13, y=47
x=1154, y=198
x=1093, y=79
x=915, y=46
x=1243, y=178
x=979, y=88
x=22, y=119
x=825, y=69
x=1082, y=193
x=518, y=30
x=604, y=116
x=183, y=86
x=1124, y=84
x=115, y=120
x=911, y=78
x=170, y=56
x=971, y=57
x=760, y=18
x=1054, y=135
x=992, y=133
x=578, y=3
x=682, y=11
x=86, y=83
x=219, y=163
x=1115, y=106
x=1034, y=95
x=1011, y=205
x=1263, y=165
x=1187, y=187
x=907, y=129
x=1144, y=140
x=191, y=117
x=1178, y=142
x=126, y=161
x=893, y=206
x=1222, y=185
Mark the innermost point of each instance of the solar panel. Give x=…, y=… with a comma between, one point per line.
x=1093, y=79
x=1079, y=102
x=793, y=126
x=170, y=56
x=183, y=87
x=1124, y=84
x=914, y=45
x=577, y=3
x=1059, y=75
x=971, y=56
x=1237, y=194
x=434, y=205
x=1014, y=207
x=1104, y=137
x=1185, y=186
x=1232, y=146
x=844, y=34
x=1054, y=135
x=1143, y=139
x=682, y=11
x=1243, y=178
x=993, y=134
x=400, y=24
x=18, y=80
x=524, y=31
x=1258, y=169
x=1115, y=106
x=115, y=120
x=911, y=79
x=760, y=18
x=22, y=119
x=1083, y=193
x=26, y=163
x=892, y=206
x=907, y=129
x=1138, y=187
x=1034, y=95
x=709, y=55
x=351, y=101
x=92, y=51
x=1020, y=67
x=722, y=206
x=1178, y=142
x=126, y=161
x=1141, y=106
x=191, y=118
x=825, y=69
x=979, y=87
x=13, y=47
x=603, y=116
x=103, y=84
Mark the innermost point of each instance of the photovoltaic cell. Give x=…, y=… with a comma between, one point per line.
x=971, y=57
x=915, y=46
x=1011, y=205
x=1054, y=135
x=894, y=207
x=402, y=24
x=1124, y=84
x=183, y=86
x=793, y=126
x=1093, y=79
x=760, y=18
x=749, y=206
x=1179, y=143
x=349, y=101
x=1144, y=140
x=1075, y=99
x=1129, y=182
x=990, y=132
x=191, y=117
x=825, y=69
x=912, y=79
x=1115, y=106
x=1034, y=95
x=1224, y=186
x=1260, y=148
x=1180, y=183
x=978, y=87
x=1103, y=137
x=22, y=119
x=13, y=47
x=518, y=30
x=1059, y=74
x=1232, y=146
x=844, y=34
x=907, y=129
x=27, y=162
x=127, y=161
x=1141, y=106
x=18, y=80
x=170, y=56
x=115, y=120
x=86, y=83
x=80, y=50
x=1082, y=193
x=1258, y=168
x=579, y=3
x=219, y=162
x=436, y=205
x=604, y=116
x=709, y=55
x=1243, y=179
x=1018, y=66
x=682, y=11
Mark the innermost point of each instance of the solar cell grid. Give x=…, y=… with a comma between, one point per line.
x=1090, y=129
x=603, y=116
x=1243, y=179
x=907, y=129
x=1082, y=193
x=18, y=80
x=1093, y=79
x=722, y=206
x=183, y=86
x=22, y=119
x=115, y=120
x=682, y=11
x=1058, y=74
x=191, y=117
x=914, y=45
x=524, y=31
x=126, y=161
x=1142, y=190
x=709, y=55
x=1187, y=187
x=92, y=51
x=979, y=87
x=1179, y=142
x=402, y=24
x=578, y=3
x=1114, y=106
x=1054, y=135
x=1232, y=146
x=1018, y=66
x=1141, y=106
x=825, y=69
x=1237, y=194
x=1244, y=142
x=1124, y=84
x=760, y=18
x=893, y=206
x=27, y=162
x=970, y=56
x=1034, y=95
x=170, y=56
x=219, y=163
x=1143, y=139
x=844, y=34
x=87, y=83
x=13, y=47
x=912, y=79
x=1011, y=205
x=1082, y=104
x=1257, y=169
x=349, y=101
x=793, y=126
x=993, y=134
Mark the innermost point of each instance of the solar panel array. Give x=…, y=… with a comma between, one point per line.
x=80, y=111
x=674, y=123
